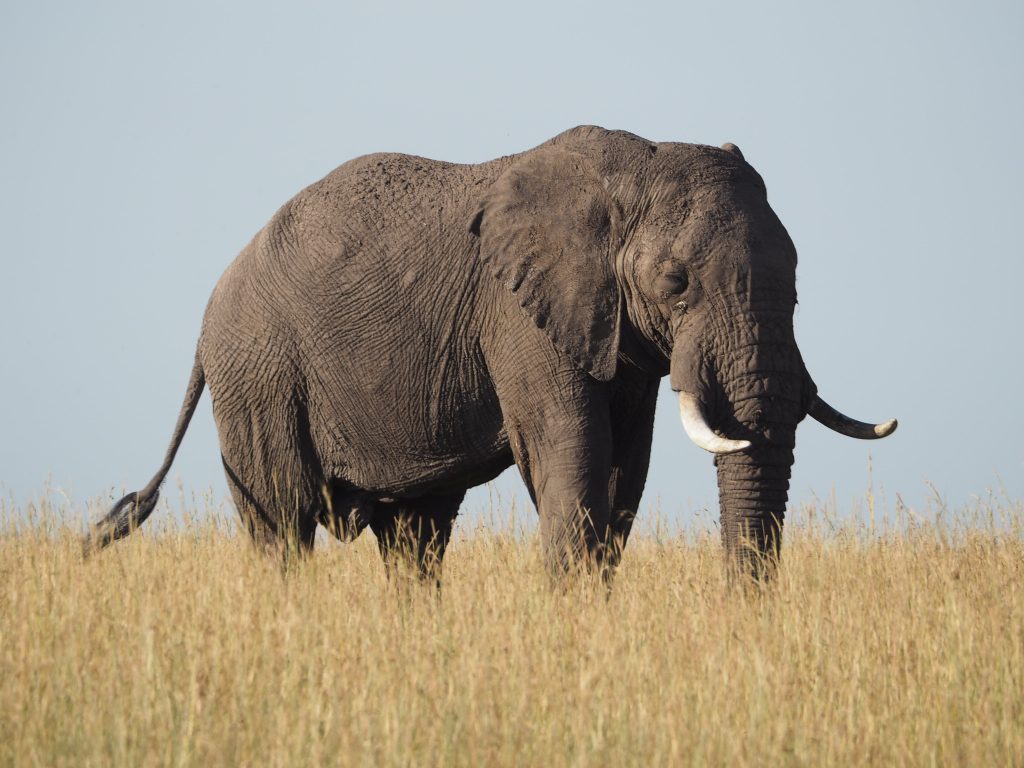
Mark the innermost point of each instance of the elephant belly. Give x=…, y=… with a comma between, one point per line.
x=398, y=424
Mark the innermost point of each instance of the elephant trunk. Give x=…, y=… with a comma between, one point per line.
x=753, y=489
x=750, y=385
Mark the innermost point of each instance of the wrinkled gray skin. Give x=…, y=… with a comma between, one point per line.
x=404, y=329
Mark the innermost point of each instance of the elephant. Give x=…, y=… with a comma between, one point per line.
x=405, y=329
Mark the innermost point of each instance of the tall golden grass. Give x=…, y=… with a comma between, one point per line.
x=898, y=645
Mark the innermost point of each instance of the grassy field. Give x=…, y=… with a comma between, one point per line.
x=902, y=645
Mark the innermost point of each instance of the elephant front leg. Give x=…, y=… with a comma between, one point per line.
x=632, y=420
x=566, y=465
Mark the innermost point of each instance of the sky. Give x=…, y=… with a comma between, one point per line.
x=143, y=144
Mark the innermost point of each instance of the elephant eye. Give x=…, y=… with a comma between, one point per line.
x=671, y=283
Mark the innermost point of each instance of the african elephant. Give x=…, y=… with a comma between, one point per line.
x=404, y=329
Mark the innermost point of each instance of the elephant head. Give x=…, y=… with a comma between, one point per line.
x=669, y=258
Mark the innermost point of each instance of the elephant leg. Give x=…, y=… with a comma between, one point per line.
x=565, y=460
x=632, y=430
x=279, y=522
x=414, y=533
x=273, y=476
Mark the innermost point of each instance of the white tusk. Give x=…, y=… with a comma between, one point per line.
x=844, y=425
x=696, y=425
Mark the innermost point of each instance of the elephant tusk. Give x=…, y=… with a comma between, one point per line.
x=696, y=425
x=823, y=412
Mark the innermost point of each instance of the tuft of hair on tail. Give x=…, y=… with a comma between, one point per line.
x=124, y=517
x=132, y=510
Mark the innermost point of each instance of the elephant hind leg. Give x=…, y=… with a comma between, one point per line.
x=277, y=514
x=272, y=470
x=413, y=534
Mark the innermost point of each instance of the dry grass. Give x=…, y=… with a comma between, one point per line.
x=185, y=647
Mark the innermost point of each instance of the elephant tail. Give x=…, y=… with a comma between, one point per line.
x=132, y=510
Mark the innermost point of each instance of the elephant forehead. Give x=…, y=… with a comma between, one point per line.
x=751, y=270
x=737, y=245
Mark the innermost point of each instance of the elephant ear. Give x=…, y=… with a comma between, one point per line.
x=548, y=230
x=733, y=149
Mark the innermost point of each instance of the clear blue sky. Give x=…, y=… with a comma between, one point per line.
x=143, y=144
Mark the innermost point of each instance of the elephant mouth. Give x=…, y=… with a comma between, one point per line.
x=695, y=424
